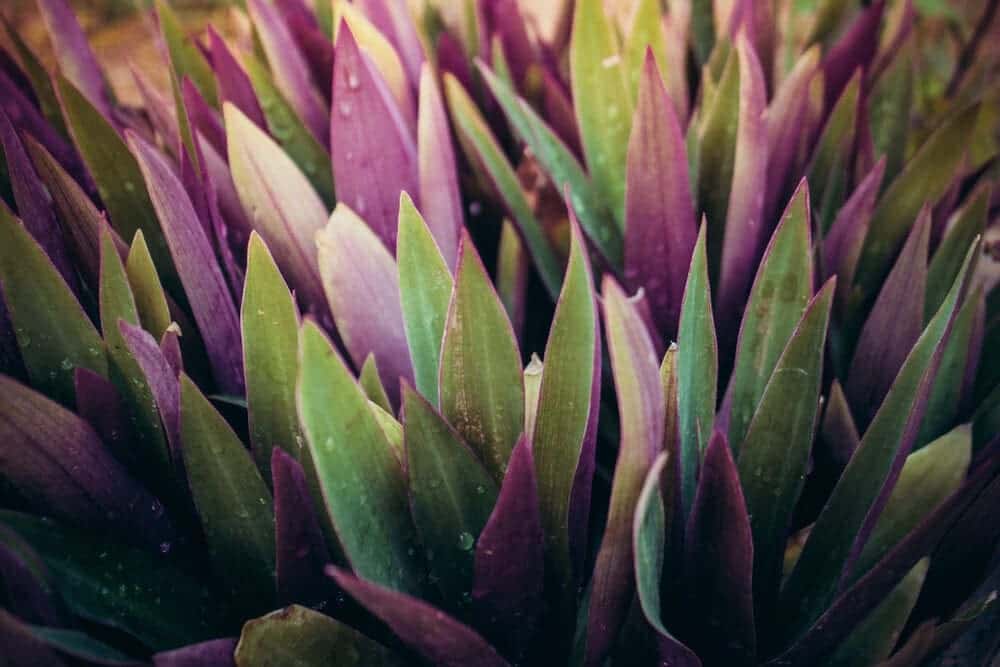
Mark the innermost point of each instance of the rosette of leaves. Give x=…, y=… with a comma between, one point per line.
x=680, y=353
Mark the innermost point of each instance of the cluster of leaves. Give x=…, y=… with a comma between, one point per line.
x=235, y=426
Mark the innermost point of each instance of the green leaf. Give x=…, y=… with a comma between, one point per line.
x=697, y=370
x=290, y=132
x=482, y=149
x=53, y=333
x=360, y=476
x=924, y=179
x=830, y=169
x=371, y=384
x=813, y=582
x=777, y=300
x=118, y=179
x=80, y=645
x=967, y=224
x=715, y=131
x=106, y=582
x=425, y=286
x=149, y=447
x=703, y=30
x=562, y=167
x=566, y=410
x=602, y=101
x=185, y=57
x=391, y=428
x=452, y=495
x=300, y=637
x=929, y=476
x=889, y=108
x=150, y=299
x=270, y=325
x=945, y=401
x=646, y=33
x=482, y=390
x=873, y=639
x=235, y=507
x=774, y=457
x=649, y=533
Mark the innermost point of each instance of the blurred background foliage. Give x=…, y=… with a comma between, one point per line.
x=122, y=36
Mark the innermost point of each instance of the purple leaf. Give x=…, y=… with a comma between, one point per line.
x=233, y=83
x=393, y=19
x=451, y=60
x=160, y=109
x=503, y=19
x=440, y=199
x=27, y=118
x=76, y=60
x=559, y=113
x=284, y=208
x=362, y=286
x=204, y=119
x=300, y=549
x=291, y=72
x=851, y=606
x=892, y=328
x=203, y=282
x=374, y=155
x=660, y=226
x=510, y=558
x=99, y=404
x=855, y=49
x=743, y=239
x=170, y=346
x=640, y=404
x=21, y=648
x=34, y=205
x=316, y=48
x=213, y=653
x=161, y=378
x=787, y=133
x=718, y=563
x=842, y=245
x=58, y=464
x=435, y=635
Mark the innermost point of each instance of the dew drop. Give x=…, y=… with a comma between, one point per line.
x=345, y=109
x=465, y=541
x=353, y=82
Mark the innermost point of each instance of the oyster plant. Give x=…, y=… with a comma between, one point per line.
x=385, y=334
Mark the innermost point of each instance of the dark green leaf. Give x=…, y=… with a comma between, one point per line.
x=109, y=583
x=482, y=149
x=778, y=298
x=774, y=457
x=697, y=370
x=53, y=333
x=425, y=286
x=359, y=473
x=232, y=500
x=270, y=324
x=565, y=424
x=451, y=495
x=482, y=391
